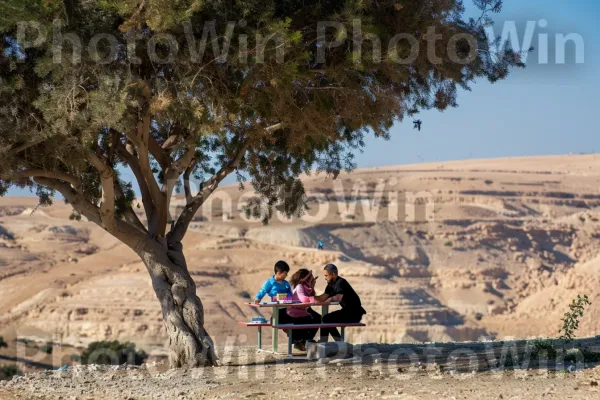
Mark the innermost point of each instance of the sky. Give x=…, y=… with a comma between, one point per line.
x=541, y=110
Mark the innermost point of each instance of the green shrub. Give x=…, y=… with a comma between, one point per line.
x=244, y=294
x=543, y=345
x=590, y=356
x=511, y=360
x=8, y=371
x=113, y=353
x=2, y=343
x=47, y=348
x=448, y=244
x=571, y=318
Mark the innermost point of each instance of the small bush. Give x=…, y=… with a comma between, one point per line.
x=478, y=316
x=244, y=294
x=512, y=361
x=2, y=343
x=590, y=356
x=47, y=348
x=6, y=234
x=8, y=371
x=488, y=182
x=541, y=345
x=448, y=244
x=113, y=353
x=571, y=318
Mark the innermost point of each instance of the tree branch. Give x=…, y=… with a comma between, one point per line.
x=174, y=172
x=107, y=177
x=274, y=127
x=141, y=139
x=27, y=145
x=186, y=182
x=170, y=142
x=134, y=165
x=125, y=232
x=158, y=198
x=139, y=10
x=75, y=199
x=179, y=230
x=32, y=173
x=160, y=155
x=129, y=215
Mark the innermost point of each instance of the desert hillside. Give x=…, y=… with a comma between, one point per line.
x=445, y=251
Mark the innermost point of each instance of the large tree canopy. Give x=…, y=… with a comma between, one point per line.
x=174, y=89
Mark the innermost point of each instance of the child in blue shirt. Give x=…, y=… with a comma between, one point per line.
x=276, y=284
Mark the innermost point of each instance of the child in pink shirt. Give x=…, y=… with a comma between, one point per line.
x=304, y=293
x=303, y=284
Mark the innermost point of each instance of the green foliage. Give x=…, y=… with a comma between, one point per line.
x=75, y=357
x=114, y=353
x=75, y=216
x=571, y=317
x=6, y=234
x=245, y=294
x=511, y=360
x=590, y=356
x=544, y=351
x=8, y=371
x=2, y=343
x=448, y=244
x=55, y=111
x=541, y=345
x=122, y=203
x=47, y=348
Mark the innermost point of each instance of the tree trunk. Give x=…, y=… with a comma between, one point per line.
x=189, y=343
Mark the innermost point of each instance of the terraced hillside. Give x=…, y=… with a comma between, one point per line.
x=447, y=251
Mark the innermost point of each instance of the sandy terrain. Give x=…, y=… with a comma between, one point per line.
x=489, y=248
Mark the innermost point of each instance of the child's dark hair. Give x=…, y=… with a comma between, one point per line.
x=281, y=266
x=298, y=276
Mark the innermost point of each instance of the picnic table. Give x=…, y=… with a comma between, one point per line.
x=275, y=307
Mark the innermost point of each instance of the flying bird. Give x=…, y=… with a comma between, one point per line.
x=417, y=124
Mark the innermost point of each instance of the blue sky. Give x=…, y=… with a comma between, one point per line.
x=542, y=110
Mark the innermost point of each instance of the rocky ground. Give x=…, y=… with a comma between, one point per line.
x=377, y=371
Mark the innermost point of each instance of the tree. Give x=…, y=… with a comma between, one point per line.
x=175, y=90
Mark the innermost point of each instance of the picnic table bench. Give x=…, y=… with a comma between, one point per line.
x=342, y=325
x=276, y=325
x=259, y=326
